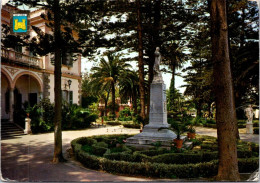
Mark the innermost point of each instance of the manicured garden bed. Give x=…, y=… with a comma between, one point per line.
x=109, y=153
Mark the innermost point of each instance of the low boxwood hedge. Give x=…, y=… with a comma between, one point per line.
x=139, y=163
x=113, y=123
x=131, y=125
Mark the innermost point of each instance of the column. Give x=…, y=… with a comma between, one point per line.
x=11, y=119
x=40, y=97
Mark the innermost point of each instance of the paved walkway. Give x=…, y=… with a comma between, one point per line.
x=242, y=133
x=29, y=158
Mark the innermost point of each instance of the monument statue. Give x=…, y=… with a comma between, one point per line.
x=158, y=114
x=157, y=61
x=249, y=113
x=156, y=68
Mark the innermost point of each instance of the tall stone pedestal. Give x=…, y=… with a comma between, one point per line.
x=249, y=128
x=157, y=119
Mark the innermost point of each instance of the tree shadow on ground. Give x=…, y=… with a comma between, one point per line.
x=32, y=161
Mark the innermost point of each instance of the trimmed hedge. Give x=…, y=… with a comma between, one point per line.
x=153, y=166
x=210, y=125
x=131, y=125
x=113, y=123
x=144, y=169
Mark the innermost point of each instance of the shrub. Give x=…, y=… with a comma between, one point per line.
x=144, y=165
x=256, y=130
x=210, y=125
x=102, y=144
x=113, y=123
x=87, y=149
x=211, y=121
x=131, y=125
x=248, y=165
x=86, y=141
x=48, y=112
x=42, y=115
x=125, y=114
x=98, y=151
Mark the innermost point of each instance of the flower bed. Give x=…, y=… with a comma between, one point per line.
x=108, y=153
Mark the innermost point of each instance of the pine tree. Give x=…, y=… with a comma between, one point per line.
x=225, y=110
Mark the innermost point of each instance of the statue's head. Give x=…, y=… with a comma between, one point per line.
x=157, y=49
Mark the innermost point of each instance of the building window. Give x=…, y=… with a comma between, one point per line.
x=67, y=96
x=66, y=59
x=18, y=49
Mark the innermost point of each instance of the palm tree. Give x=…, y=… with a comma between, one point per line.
x=107, y=74
x=129, y=87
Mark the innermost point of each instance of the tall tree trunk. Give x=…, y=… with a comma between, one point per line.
x=58, y=156
x=232, y=71
x=199, y=108
x=155, y=42
x=225, y=114
x=150, y=55
x=140, y=59
x=172, y=86
x=105, y=112
x=113, y=100
x=135, y=104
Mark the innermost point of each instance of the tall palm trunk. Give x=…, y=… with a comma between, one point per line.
x=135, y=104
x=140, y=59
x=113, y=100
x=58, y=157
x=225, y=113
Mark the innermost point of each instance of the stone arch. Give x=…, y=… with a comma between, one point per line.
x=9, y=79
x=39, y=82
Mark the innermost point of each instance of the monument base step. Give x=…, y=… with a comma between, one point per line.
x=148, y=142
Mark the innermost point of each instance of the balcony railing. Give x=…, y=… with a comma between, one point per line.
x=21, y=58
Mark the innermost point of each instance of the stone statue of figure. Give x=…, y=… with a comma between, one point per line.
x=157, y=62
x=249, y=113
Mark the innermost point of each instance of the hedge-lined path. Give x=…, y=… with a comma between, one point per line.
x=242, y=133
x=28, y=158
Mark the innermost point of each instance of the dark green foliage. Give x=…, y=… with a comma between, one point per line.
x=98, y=151
x=248, y=165
x=185, y=158
x=210, y=126
x=87, y=148
x=38, y=125
x=125, y=115
x=42, y=116
x=86, y=141
x=73, y=117
x=19, y=116
x=139, y=120
x=256, y=130
x=113, y=123
x=178, y=127
x=159, y=163
x=131, y=125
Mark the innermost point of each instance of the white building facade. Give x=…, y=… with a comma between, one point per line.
x=26, y=78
